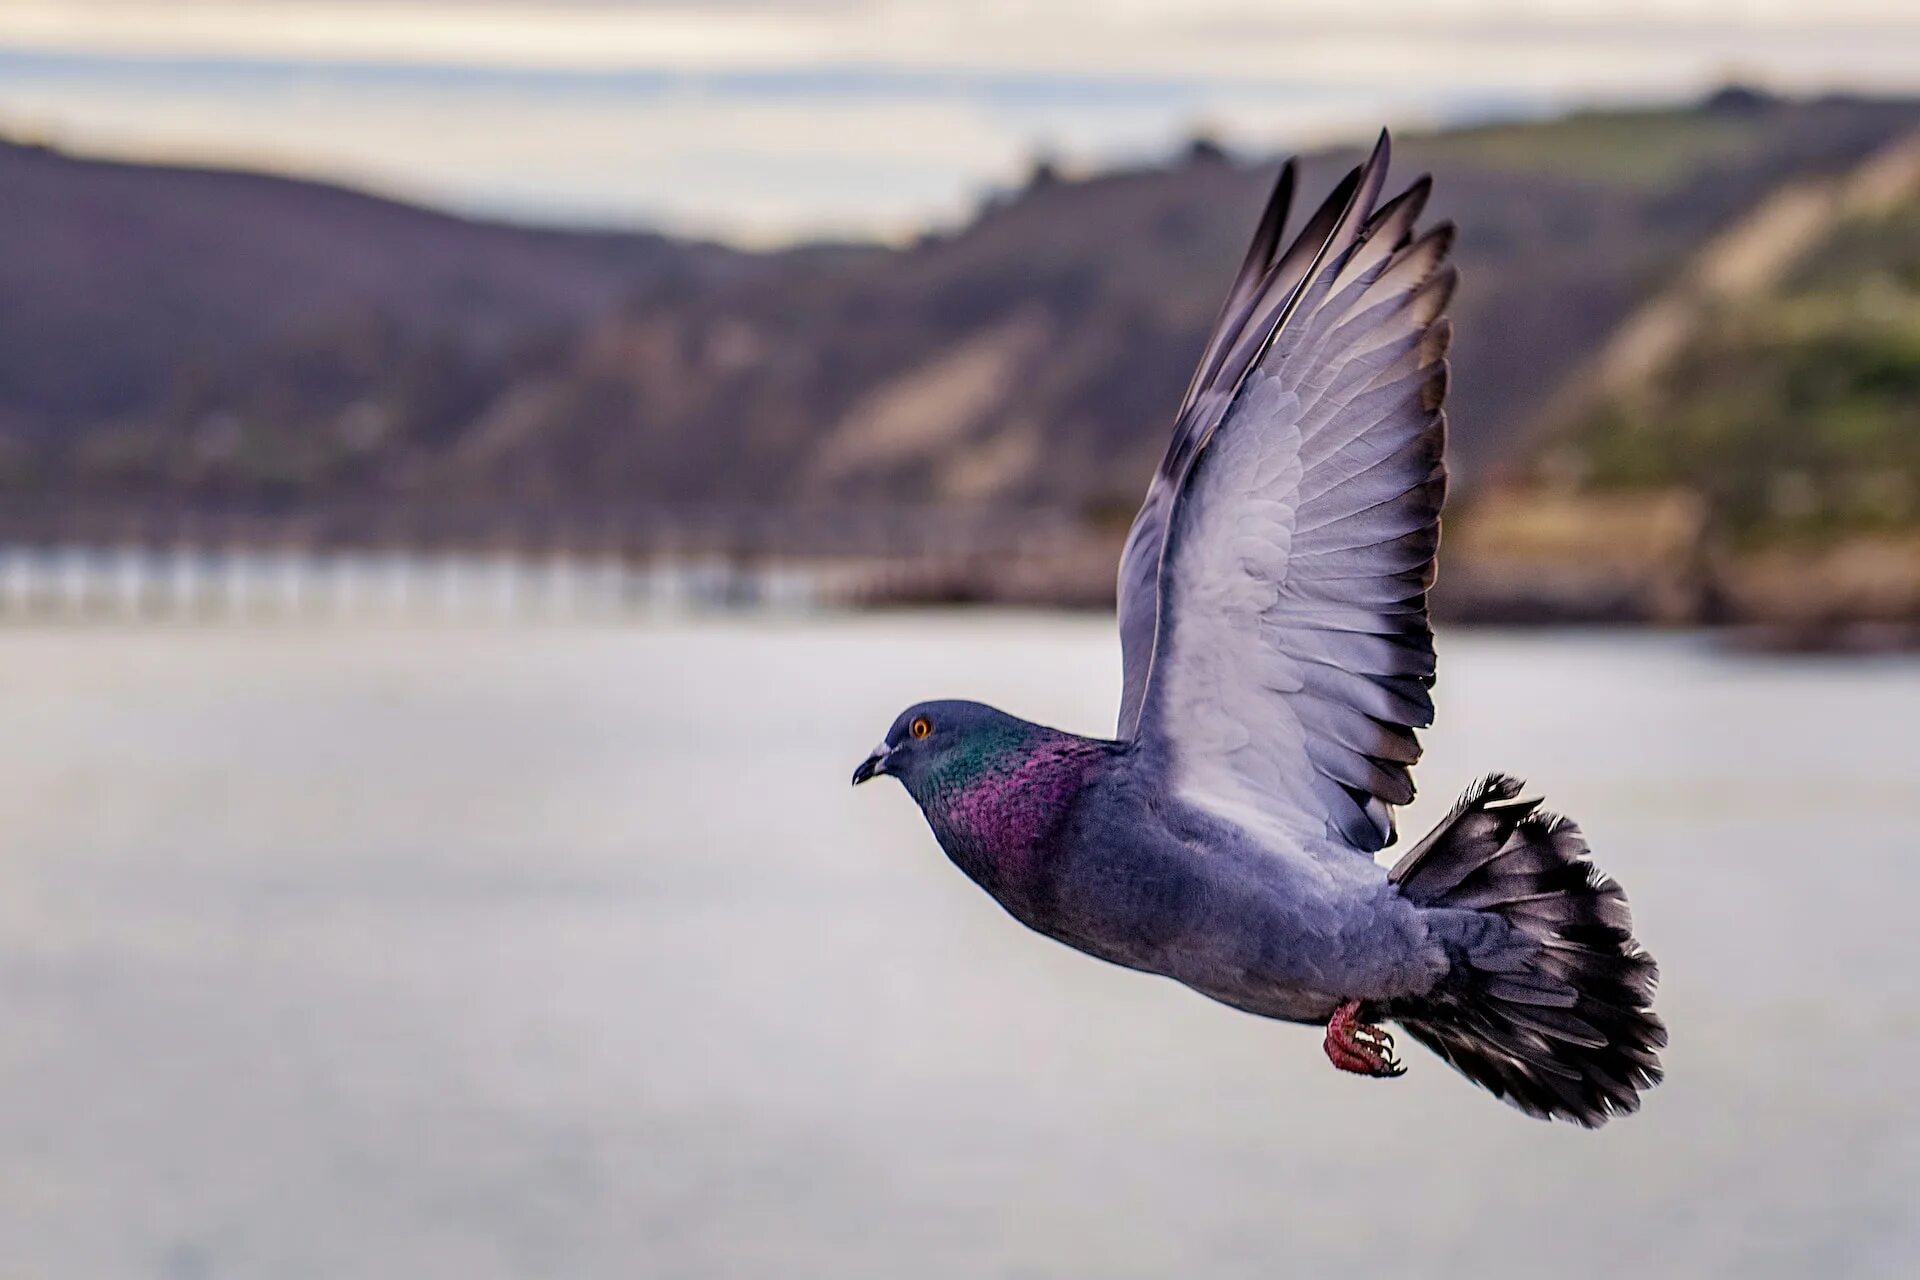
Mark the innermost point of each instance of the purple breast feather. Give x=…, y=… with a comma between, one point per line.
x=1010, y=807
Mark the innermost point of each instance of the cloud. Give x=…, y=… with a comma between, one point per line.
x=757, y=162
x=1122, y=37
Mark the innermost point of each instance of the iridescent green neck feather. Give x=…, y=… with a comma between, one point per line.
x=995, y=799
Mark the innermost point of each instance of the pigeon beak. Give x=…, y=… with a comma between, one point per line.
x=873, y=766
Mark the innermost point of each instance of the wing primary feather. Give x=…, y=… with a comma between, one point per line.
x=1366, y=190
x=1283, y=278
x=1366, y=183
x=1246, y=281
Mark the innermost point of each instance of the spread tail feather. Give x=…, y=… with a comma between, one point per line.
x=1549, y=1002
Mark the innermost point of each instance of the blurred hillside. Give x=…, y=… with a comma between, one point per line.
x=1774, y=395
x=201, y=336
x=1795, y=412
x=1032, y=357
x=181, y=346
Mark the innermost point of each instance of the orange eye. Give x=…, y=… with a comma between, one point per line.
x=920, y=727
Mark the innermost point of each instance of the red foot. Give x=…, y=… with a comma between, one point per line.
x=1358, y=1046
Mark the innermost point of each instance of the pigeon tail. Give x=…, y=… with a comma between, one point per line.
x=1548, y=1004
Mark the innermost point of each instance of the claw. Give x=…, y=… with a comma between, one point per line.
x=1360, y=1047
x=1375, y=1036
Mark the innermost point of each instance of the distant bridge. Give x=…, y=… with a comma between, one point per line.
x=383, y=561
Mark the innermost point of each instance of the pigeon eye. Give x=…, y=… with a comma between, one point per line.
x=920, y=727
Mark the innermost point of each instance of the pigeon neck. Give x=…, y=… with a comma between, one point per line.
x=995, y=807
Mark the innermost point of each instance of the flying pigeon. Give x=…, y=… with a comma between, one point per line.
x=1277, y=662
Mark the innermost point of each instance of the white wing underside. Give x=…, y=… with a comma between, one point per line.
x=1290, y=655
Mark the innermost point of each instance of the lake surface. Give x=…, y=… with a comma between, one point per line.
x=568, y=952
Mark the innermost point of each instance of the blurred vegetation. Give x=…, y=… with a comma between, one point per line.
x=1795, y=415
x=1640, y=149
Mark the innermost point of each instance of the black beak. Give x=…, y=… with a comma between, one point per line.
x=873, y=766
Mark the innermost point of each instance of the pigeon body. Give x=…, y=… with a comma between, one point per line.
x=1278, y=661
x=1079, y=840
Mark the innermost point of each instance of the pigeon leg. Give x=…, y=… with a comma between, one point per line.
x=1360, y=1047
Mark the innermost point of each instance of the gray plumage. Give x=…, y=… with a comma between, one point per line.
x=1278, y=658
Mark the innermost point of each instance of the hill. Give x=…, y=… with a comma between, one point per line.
x=1032, y=357
x=178, y=333
x=1783, y=411
x=199, y=344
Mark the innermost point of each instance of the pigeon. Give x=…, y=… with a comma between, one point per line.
x=1277, y=662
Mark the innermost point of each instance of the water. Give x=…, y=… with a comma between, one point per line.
x=542, y=952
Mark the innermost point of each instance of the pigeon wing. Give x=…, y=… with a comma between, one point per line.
x=1281, y=659
x=1138, y=592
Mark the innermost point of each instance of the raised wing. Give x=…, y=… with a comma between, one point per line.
x=1140, y=561
x=1289, y=535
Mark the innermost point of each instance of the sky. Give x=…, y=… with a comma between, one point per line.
x=764, y=121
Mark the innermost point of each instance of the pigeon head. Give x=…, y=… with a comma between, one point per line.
x=932, y=740
x=992, y=786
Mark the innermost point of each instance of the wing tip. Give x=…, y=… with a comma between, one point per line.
x=1433, y=393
